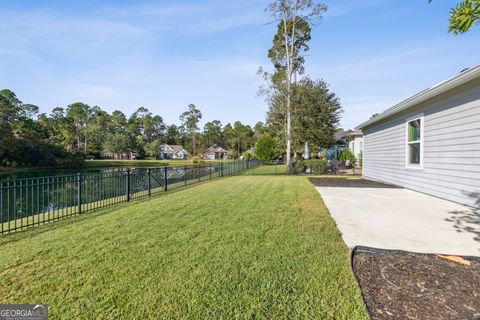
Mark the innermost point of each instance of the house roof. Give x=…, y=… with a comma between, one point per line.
x=340, y=134
x=354, y=133
x=442, y=87
x=172, y=148
x=214, y=149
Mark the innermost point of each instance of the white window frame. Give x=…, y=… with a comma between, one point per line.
x=409, y=165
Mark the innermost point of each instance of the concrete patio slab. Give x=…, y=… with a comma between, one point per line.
x=403, y=219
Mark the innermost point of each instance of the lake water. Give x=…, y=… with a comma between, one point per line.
x=55, y=172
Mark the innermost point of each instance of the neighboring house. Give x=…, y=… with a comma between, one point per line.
x=172, y=152
x=214, y=153
x=355, y=143
x=431, y=141
x=340, y=144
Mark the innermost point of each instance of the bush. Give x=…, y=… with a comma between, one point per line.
x=40, y=154
x=247, y=155
x=316, y=166
x=196, y=159
x=297, y=167
x=347, y=155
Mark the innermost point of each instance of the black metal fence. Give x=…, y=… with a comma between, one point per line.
x=331, y=167
x=30, y=202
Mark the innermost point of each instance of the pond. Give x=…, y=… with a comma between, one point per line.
x=38, y=173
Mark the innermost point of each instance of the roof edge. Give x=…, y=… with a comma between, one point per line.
x=459, y=79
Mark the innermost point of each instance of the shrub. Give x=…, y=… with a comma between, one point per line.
x=316, y=166
x=297, y=167
x=195, y=159
x=247, y=155
x=347, y=155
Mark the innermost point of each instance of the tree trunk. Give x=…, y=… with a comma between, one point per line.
x=289, y=82
x=289, y=133
x=194, y=148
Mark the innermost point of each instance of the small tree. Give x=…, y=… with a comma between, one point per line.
x=265, y=148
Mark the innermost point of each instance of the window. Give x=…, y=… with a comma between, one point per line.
x=415, y=142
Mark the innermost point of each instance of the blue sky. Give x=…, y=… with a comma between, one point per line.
x=166, y=54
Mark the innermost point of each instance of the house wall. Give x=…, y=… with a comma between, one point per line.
x=356, y=146
x=451, y=166
x=179, y=156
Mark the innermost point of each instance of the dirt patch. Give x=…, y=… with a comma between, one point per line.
x=404, y=285
x=348, y=183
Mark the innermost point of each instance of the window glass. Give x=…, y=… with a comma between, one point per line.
x=414, y=142
x=414, y=151
x=414, y=130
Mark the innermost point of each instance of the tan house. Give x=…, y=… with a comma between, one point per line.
x=214, y=153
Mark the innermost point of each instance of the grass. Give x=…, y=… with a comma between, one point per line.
x=273, y=169
x=142, y=163
x=236, y=248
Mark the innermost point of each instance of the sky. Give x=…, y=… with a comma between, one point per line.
x=164, y=55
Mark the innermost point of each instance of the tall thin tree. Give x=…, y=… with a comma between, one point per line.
x=190, y=119
x=292, y=16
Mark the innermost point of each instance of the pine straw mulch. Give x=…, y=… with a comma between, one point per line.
x=405, y=285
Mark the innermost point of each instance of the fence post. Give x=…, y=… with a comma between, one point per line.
x=149, y=182
x=79, y=192
x=276, y=168
x=127, y=184
x=198, y=172
x=221, y=169
x=253, y=169
x=165, y=178
x=185, y=175
x=210, y=171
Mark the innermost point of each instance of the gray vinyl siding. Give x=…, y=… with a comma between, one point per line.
x=451, y=163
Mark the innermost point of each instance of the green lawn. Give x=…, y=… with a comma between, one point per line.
x=235, y=248
x=270, y=169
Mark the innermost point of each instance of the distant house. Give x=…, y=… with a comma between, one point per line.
x=355, y=143
x=340, y=144
x=172, y=152
x=214, y=153
x=431, y=141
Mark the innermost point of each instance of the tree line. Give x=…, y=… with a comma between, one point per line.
x=67, y=135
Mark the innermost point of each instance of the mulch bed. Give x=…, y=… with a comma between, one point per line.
x=404, y=285
x=348, y=183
